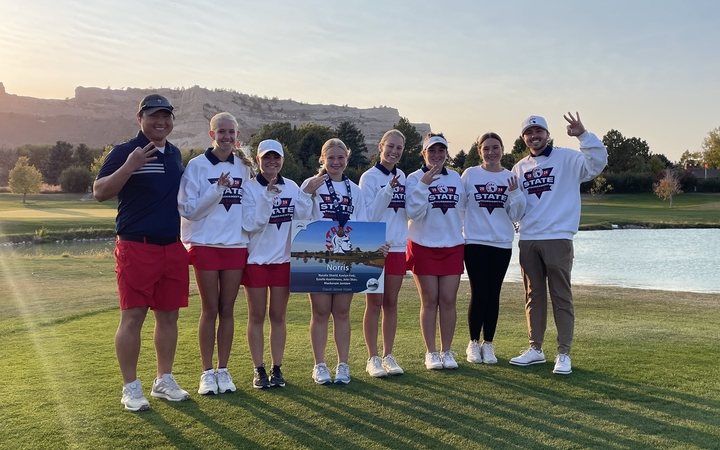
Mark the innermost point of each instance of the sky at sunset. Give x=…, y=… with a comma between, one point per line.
x=648, y=69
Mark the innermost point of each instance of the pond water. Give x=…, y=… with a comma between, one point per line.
x=671, y=259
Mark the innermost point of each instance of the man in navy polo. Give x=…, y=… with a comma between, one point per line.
x=152, y=264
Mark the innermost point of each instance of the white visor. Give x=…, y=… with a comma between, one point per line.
x=435, y=140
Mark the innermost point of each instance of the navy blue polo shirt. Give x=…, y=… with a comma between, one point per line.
x=147, y=203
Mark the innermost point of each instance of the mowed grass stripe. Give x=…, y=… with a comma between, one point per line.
x=644, y=376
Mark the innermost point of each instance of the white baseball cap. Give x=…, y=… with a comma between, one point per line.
x=270, y=145
x=534, y=121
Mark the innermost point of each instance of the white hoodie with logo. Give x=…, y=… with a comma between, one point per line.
x=551, y=185
x=435, y=210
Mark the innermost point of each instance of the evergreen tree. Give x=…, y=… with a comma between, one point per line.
x=36, y=154
x=458, y=161
x=355, y=141
x=412, y=158
x=473, y=157
x=58, y=159
x=82, y=156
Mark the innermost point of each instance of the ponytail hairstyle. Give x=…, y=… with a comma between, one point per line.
x=330, y=143
x=238, y=151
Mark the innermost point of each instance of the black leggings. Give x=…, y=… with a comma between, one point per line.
x=486, y=267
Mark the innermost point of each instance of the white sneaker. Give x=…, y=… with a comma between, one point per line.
x=133, y=398
x=488, y=353
x=321, y=374
x=448, y=360
x=224, y=381
x=166, y=387
x=473, y=352
x=432, y=361
x=208, y=383
x=391, y=366
x=342, y=373
x=375, y=368
x=528, y=357
x=562, y=364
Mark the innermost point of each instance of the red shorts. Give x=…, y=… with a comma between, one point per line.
x=217, y=258
x=438, y=261
x=395, y=264
x=150, y=275
x=266, y=275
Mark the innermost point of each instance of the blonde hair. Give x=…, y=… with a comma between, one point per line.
x=389, y=133
x=227, y=116
x=330, y=143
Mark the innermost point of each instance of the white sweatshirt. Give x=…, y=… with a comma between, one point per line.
x=491, y=208
x=323, y=208
x=386, y=204
x=435, y=210
x=551, y=185
x=212, y=215
x=268, y=218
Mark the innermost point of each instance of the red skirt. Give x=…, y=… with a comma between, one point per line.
x=438, y=261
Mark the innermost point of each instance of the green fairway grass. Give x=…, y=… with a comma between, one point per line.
x=645, y=375
x=64, y=216
x=647, y=210
x=60, y=215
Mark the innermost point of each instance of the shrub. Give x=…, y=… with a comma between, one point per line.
x=708, y=185
x=688, y=181
x=75, y=179
x=630, y=183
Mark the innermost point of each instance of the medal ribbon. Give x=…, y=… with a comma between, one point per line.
x=339, y=215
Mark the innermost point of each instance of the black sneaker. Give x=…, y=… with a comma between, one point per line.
x=260, y=380
x=276, y=378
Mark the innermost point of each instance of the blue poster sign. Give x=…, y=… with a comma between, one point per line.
x=325, y=257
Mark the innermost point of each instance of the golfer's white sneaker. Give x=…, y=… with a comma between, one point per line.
x=488, y=353
x=473, y=352
x=391, y=366
x=448, y=359
x=321, y=374
x=166, y=387
x=133, y=398
x=562, y=364
x=375, y=367
x=528, y=357
x=208, y=383
x=432, y=361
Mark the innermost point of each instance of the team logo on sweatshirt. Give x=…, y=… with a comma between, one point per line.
x=443, y=197
x=398, y=198
x=538, y=180
x=328, y=208
x=491, y=196
x=282, y=211
x=232, y=195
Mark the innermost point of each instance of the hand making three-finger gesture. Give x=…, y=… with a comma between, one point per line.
x=575, y=126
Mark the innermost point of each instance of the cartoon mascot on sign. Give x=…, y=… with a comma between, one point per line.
x=341, y=242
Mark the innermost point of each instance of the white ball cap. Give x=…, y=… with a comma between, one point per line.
x=270, y=145
x=534, y=121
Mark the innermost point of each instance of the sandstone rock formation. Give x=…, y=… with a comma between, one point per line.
x=97, y=117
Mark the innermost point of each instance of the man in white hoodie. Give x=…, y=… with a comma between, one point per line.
x=550, y=179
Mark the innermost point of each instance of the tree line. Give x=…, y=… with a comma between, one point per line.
x=632, y=167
